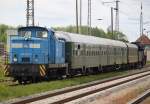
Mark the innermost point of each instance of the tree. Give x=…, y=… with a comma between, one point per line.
x=3, y=32
x=121, y=36
x=117, y=35
x=84, y=30
x=95, y=32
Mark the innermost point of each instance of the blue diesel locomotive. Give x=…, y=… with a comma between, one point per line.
x=38, y=52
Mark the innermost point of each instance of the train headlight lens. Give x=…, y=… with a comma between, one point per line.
x=36, y=58
x=15, y=59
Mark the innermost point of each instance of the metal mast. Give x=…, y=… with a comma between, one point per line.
x=30, y=13
x=112, y=23
x=80, y=16
x=141, y=20
x=89, y=17
x=117, y=16
x=77, y=17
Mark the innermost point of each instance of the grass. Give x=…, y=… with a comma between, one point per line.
x=148, y=62
x=9, y=92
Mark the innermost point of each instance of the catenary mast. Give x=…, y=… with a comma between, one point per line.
x=141, y=20
x=30, y=13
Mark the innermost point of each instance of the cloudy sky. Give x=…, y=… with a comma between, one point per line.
x=52, y=13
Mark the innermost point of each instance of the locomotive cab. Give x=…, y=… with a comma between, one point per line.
x=31, y=52
x=30, y=46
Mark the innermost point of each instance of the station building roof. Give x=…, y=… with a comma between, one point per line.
x=143, y=39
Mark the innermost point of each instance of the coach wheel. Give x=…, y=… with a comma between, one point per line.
x=84, y=71
x=25, y=82
x=100, y=69
x=34, y=79
x=117, y=67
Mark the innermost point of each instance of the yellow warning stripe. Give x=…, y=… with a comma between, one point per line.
x=42, y=71
x=6, y=67
x=6, y=72
x=43, y=67
x=41, y=74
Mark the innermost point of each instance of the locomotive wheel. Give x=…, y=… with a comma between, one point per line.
x=20, y=81
x=83, y=71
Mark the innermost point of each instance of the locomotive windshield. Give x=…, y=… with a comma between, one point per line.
x=25, y=33
x=41, y=34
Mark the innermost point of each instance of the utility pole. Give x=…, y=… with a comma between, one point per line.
x=117, y=16
x=112, y=23
x=141, y=21
x=77, y=23
x=89, y=17
x=80, y=16
x=30, y=13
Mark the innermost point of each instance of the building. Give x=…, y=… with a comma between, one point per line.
x=145, y=41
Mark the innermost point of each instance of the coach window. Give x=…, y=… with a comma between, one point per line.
x=86, y=53
x=79, y=47
x=41, y=34
x=73, y=53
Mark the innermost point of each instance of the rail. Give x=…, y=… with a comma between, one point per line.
x=140, y=98
x=74, y=89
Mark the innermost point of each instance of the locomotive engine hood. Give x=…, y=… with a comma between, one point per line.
x=28, y=50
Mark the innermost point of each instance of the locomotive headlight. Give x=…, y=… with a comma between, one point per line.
x=36, y=58
x=15, y=58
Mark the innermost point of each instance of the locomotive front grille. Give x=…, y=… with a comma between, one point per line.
x=25, y=59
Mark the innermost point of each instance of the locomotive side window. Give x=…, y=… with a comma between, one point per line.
x=25, y=33
x=41, y=34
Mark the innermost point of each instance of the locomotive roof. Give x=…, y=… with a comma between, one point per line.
x=78, y=38
x=31, y=27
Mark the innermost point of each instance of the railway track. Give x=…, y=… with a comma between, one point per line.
x=64, y=96
x=140, y=98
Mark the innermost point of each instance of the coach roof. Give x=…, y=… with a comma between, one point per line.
x=132, y=45
x=77, y=38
